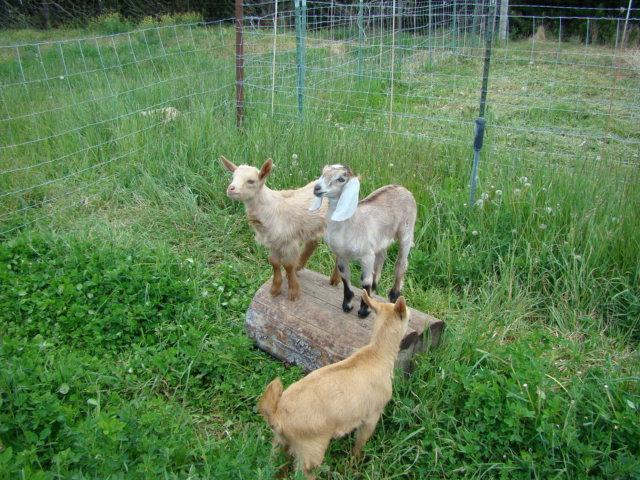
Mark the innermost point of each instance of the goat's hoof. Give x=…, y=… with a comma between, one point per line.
x=364, y=312
x=294, y=295
x=393, y=296
x=346, y=308
x=275, y=291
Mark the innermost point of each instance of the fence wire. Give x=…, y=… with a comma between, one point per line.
x=564, y=89
x=76, y=112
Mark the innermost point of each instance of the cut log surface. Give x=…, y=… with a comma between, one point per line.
x=313, y=331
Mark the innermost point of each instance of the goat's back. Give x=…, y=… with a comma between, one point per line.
x=334, y=400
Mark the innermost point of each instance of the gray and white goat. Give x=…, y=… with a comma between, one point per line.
x=363, y=231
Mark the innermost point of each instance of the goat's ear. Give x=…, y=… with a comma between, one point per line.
x=400, y=306
x=317, y=203
x=266, y=168
x=229, y=165
x=348, y=201
x=369, y=301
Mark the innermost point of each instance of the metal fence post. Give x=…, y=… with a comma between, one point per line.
x=393, y=60
x=273, y=60
x=239, y=64
x=480, y=121
x=300, y=7
x=626, y=21
x=360, y=38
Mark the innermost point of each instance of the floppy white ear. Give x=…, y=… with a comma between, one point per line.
x=348, y=201
x=317, y=203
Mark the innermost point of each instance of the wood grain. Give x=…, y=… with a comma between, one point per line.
x=313, y=331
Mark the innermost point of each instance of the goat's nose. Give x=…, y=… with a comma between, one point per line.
x=317, y=188
x=231, y=188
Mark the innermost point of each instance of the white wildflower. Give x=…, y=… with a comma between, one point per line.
x=577, y=257
x=391, y=164
x=523, y=179
x=484, y=196
x=543, y=226
x=480, y=203
x=548, y=209
x=474, y=233
x=527, y=185
x=294, y=157
x=130, y=370
x=465, y=205
x=514, y=231
x=61, y=77
x=524, y=385
x=341, y=129
x=499, y=193
x=606, y=387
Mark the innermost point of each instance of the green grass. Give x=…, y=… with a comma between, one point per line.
x=123, y=286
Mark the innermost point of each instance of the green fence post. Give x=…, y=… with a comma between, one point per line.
x=430, y=34
x=454, y=26
x=480, y=121
x=360, y=38
x=300, y=9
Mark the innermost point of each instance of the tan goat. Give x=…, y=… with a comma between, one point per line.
x=334, y=400
x=281, y=222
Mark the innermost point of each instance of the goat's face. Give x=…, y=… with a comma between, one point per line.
x=332, y=181
x=247, y=181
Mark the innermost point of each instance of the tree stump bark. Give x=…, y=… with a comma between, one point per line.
x=313, y=331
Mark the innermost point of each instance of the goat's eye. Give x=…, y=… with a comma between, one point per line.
x=251, y=182
x=341, y=179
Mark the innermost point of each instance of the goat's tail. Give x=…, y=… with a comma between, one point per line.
x=268, y=403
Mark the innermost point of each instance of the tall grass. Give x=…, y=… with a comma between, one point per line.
x=122, y=303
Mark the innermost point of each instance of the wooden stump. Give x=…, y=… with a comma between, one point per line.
x=313, y=331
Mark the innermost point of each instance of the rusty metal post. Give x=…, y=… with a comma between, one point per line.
x=239, y=64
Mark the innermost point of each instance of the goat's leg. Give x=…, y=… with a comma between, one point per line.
x=309, y=247
x=367, y=263
x=401, y=268
x=292, y=279
x=311, y=454
x=276, y=284
x=335, y=275
x=377, y=268
x=364, y=433
x=345, y=274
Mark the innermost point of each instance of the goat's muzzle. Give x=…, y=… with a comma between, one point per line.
x=317, y=190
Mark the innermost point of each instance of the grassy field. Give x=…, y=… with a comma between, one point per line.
x=125, y=271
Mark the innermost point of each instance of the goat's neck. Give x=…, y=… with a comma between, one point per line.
x=385, y=342
x=261, y=203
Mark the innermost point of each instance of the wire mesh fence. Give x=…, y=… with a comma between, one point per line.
x=415, y=69
x=563, y=89
x=75, y=111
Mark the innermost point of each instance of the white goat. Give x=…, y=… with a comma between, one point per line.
x=334, y=400
x=281, y=222
x=363, y=231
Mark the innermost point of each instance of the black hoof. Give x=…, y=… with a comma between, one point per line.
x=393, y=296
x=346, y=308
x=364, y=312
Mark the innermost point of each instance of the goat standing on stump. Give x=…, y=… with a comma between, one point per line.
x=339, y=398
x=363, y=231
x=280, y=220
